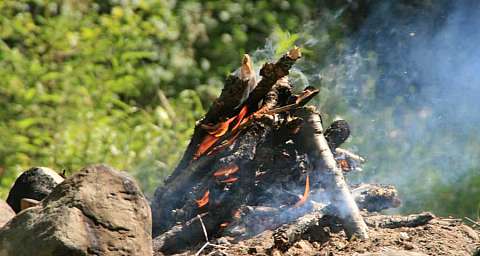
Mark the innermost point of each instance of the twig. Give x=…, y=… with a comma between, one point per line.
x=350, y=155
x=205, y=234
x=475, y=223
x=203, y=228
x=207, y=243
x=201, y=249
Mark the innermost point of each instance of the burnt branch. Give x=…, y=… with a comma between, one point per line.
x=410, y=221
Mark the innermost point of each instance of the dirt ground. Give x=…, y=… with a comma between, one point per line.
x=441, y=236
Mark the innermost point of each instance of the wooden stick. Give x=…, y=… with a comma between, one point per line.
x=329, y=175
x=227, y=104
x=349, y=154
x=285, y=236
x=410, y=221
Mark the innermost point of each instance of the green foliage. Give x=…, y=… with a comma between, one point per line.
x=82, y=80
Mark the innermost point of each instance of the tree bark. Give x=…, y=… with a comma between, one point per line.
x=329, y=175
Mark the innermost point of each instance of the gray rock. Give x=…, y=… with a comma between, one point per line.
x=6, y=213
x=97, y=211
x=35, y=183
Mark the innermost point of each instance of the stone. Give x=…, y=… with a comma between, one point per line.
x=404, y=236
x=35, y=183
x=97, y=211
x=6, y=213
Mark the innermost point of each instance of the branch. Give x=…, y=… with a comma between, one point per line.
x=410, y=221
x=329, y=175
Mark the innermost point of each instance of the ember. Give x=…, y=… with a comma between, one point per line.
x=226, y=171
x=204, y=200
x=230, y=180
x=304, y=198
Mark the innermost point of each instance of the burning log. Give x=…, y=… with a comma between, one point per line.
x=258, y=160
x=329, y=175
x=201, y=152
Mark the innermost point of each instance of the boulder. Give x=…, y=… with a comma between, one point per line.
x=6, y=213
x=35, y=183
x=97, y=211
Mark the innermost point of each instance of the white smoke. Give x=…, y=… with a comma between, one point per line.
x=409, y=84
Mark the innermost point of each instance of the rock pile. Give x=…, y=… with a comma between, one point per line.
x=97, y=211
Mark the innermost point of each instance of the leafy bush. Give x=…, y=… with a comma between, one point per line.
x=120, y=82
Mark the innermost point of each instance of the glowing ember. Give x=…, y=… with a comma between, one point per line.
x=343, y=163
x=224, y=225
x=229, y=180
x=240, y=117
x=222, y=128
x=204, y=200
x=225, y=144
x=206, y=144
x=217, y=131
x=305, y=193
x=226, y=171
x=237, y=214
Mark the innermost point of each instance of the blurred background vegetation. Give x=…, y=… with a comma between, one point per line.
x=123, y=81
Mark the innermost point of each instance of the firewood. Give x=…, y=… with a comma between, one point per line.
x=375, y=197
x=225, y=105
x=337, y=133
x=317, y=225
x=410, y=221
x=370, y=197
x=329, y=175
x=190, y=171
x=350, y=155
x=285, y=236
x=271, y=73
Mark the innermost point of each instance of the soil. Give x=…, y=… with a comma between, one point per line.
x=440, y=236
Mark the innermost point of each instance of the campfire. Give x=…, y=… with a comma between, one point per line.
x=259, y=158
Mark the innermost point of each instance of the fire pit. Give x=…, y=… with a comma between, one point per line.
x=258, y=159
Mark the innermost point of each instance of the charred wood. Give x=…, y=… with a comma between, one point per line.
x=375, y=197
x=190, y=170
x=312, y=227
x=337, y=133
x=410, y=221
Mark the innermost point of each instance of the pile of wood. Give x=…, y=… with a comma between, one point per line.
x=260, y=158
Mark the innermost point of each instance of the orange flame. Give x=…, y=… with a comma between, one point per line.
x=206, y=144
x=237, y=214
x=240, y=117
x=222, y=128
x=230, y=180
x=218, y=131
x=226, y=171
x=305, y=193
x=343, y=164
x=225, y=144
x=224, y=225
x=204, y=200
